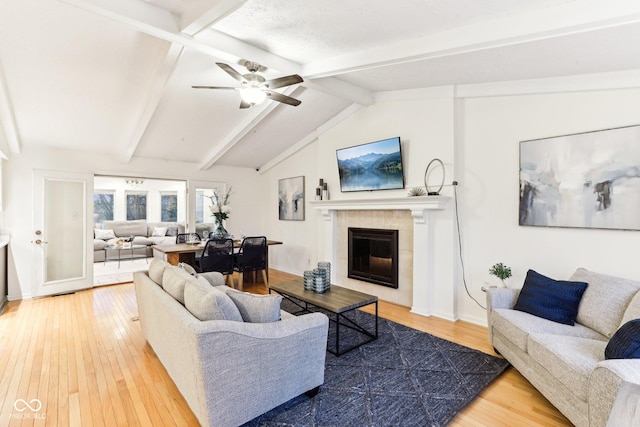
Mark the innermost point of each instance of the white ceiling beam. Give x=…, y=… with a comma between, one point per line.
x=566, y=19
x=10, y=143
x=159, y=23
x=201, y=14
x=255, y=116
x=162, y=24
x=162, y=72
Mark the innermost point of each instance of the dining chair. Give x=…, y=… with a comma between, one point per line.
x=218, y=256
x=190, y=237
x=252, y=257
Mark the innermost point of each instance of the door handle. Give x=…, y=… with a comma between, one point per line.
x=39, y=242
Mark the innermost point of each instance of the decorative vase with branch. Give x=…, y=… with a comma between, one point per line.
x=501, y=271
x=220, y=209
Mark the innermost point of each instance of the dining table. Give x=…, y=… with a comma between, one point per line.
x=186, y=252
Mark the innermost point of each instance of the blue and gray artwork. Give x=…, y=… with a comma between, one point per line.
x=291, y=199
x=587, y=180
x=375, y=166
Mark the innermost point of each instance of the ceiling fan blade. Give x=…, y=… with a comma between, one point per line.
x=214, y=87
x=284, y=81
x=229, y=70
x=282, y=98
x=244, y=104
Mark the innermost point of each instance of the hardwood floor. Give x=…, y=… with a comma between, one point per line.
x=83, y=357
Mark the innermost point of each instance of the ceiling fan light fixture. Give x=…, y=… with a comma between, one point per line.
x=252, y=95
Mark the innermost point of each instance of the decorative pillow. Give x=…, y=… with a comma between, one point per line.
x=213, y=277
x=172, y=231
x=208, y=303
x=104, y=234
x=189, y=269
x=625, y=343
x=632, y=311
x=174, y=281
x=156, y=270
x=555, y=300
x=159, y=232
x=256, y=308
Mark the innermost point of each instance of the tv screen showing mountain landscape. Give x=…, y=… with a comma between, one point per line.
x=372, y=166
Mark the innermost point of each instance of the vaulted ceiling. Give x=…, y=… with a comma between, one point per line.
x=114, y=77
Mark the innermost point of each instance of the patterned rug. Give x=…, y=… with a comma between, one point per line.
x=404, y=378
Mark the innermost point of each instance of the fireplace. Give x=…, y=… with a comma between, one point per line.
x=373, y=256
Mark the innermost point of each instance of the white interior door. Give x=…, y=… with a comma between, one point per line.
x=62, y=232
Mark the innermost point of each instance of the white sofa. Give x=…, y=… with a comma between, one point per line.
x=567, y=363
x=143, y=233
x=230, y=372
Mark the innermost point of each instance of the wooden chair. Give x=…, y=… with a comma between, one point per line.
x=218, y=256
x=252, y=257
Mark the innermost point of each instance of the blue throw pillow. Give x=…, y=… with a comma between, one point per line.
x=625, y=343
x=555, y=300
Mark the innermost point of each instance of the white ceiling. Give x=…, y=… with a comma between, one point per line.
x=114, y=76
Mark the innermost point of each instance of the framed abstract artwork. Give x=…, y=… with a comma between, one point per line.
x=291, y=199
x=136, y=205
x=585, y=180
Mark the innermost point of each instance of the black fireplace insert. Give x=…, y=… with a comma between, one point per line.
x=373, y=256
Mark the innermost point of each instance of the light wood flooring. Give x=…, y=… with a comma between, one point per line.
x=83, y=357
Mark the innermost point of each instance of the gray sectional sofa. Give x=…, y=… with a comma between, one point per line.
x=229, y=371
x=567, y=363
x=143, y=232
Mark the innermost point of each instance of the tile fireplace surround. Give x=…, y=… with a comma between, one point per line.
x=424, y=288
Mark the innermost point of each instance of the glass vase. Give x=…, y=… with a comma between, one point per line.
x=219, y=232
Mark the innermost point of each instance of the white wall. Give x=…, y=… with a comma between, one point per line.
x=425, y=127
x=490, y=190
x=482, y=136
x=299, y=250
x=247, y=201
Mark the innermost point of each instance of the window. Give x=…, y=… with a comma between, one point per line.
x=103, y=206
x=136, y=205
x=168, y=206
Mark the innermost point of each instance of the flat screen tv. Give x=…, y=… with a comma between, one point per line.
x=372, y=166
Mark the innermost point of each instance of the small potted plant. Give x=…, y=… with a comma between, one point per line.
x=501, y=271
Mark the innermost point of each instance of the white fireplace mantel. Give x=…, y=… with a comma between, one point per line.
x=421, y=207
x=417, y=205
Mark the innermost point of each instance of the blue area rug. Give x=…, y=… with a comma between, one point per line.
x=404, y=378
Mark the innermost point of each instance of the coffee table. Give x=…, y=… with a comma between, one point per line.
x=337, y=301
x=120, y=249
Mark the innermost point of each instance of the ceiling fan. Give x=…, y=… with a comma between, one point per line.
x=254, y=89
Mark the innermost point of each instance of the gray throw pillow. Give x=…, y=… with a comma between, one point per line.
x=174, y=281
x=256, y=308
x=208, y=303
x=189, y=269
x=213, y=277
x=156, y=270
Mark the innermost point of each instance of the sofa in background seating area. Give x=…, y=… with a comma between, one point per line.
x=566, y=362
x=145, y=233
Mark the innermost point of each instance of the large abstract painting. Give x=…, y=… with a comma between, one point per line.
x=588, y=180
x=291, y=199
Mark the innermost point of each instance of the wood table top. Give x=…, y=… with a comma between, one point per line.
x=336, y=299
x=187, y=247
